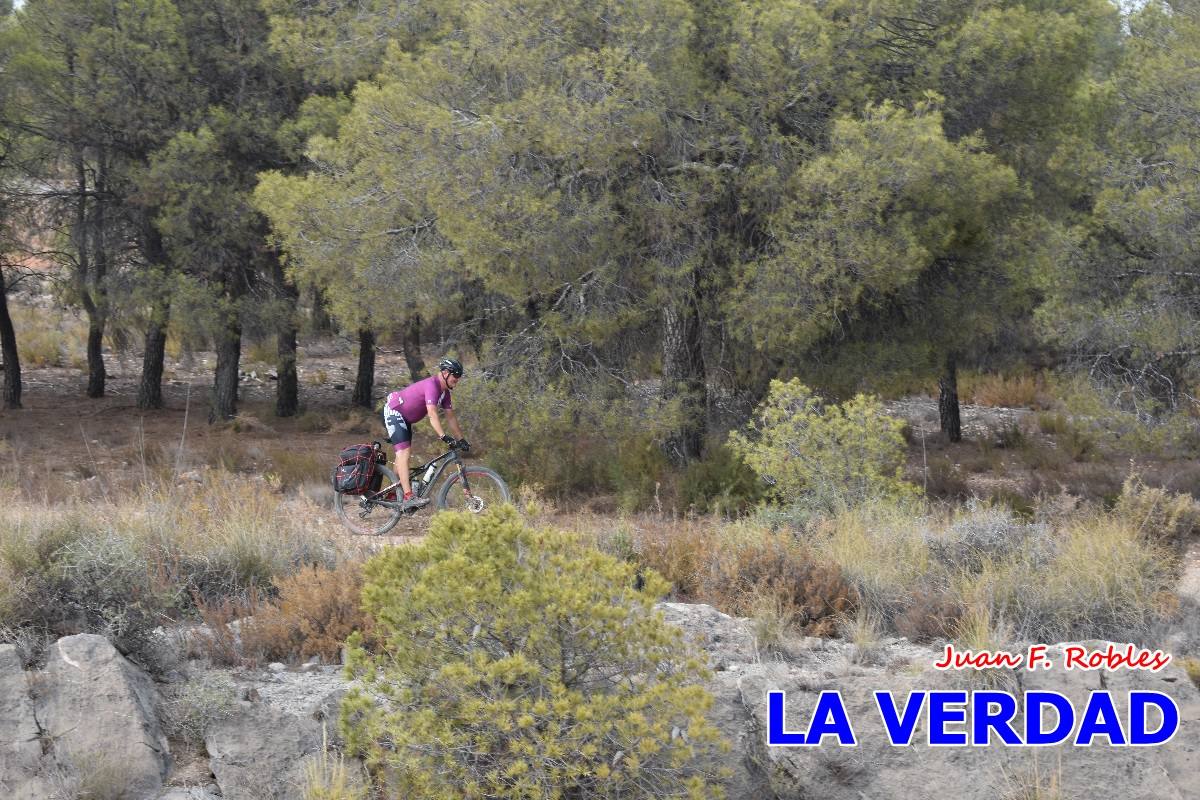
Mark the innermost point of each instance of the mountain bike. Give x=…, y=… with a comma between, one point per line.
x=466, y=488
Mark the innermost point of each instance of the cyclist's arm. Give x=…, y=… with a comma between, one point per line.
x=452, y=420
x=435, y=420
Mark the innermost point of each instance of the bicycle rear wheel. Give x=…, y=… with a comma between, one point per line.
x=487, y=490
x=364, y=517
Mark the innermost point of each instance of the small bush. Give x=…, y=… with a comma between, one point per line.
x=519, y=663
x=313, y=614
x=825, y=456
x=1101, y=580
x=1053, y=424
x=680, y=552
x=40, y=346
x=941, y=479
x=1161, y=515
x=193, y=708
x=929, y=614
x=313, y=422
x=1010, y=437
x=569, y=438
x=294, y=469
x=61, y=579
x=262, y=351
x=327, y=777
x=985, y=533
x=720, y=483
x=1004, y=391
x=883, y=552
x=777, y=568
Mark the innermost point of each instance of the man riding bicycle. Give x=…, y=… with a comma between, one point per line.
x=410, y=405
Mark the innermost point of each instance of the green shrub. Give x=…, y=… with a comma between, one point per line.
x=826, y=456
x=720, y=483
x=581, y=436
x=519, y=663
x=1161, y=515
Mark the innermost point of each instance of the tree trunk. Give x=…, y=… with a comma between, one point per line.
x=287, y=393
x=150, y=389
x=287, y=390
x=683, y=373
x=8, y=352
x=95, y=355
x=948, y=400
x=364, y=385
x=411, y=344
x=95, y=294
x=320, y=319
x=225, y=383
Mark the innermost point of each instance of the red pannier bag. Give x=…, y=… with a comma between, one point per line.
x=355, y=472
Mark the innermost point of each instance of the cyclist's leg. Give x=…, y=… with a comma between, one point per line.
x=400, y=435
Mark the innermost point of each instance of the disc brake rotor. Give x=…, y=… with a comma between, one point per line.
x=475, y=504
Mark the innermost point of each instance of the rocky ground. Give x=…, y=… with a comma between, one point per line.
x=91, y=719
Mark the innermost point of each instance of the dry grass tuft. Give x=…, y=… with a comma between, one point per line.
x=313, y=614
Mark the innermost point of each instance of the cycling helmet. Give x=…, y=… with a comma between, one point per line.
x=452, y=366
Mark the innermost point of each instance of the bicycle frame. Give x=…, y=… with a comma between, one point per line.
x=414, y=472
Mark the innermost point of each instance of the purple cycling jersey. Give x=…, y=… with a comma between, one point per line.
x=411, y=400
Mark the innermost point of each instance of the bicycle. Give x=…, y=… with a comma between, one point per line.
x=373, y=514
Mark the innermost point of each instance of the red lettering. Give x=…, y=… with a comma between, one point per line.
x=1074, y=657
x=984, y=659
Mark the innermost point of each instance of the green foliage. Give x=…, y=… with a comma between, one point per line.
x=721, y=483
x=892, y=200
x=520, y=663
x=826, y=456
x=567, y=437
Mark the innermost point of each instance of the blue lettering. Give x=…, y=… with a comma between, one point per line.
x=900, y=729
x=830, y=720
x=983, y=721
x=1100, y=719
x=939, y=715
x=1137, y=718
x=776, y=735
x=1035, y=734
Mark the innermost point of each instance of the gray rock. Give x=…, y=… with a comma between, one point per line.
x=98, y=711
x=259, y=753
x=20, y=736
x=726, y=640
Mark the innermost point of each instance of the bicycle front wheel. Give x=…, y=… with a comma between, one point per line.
x=486, y=490
x=363, y=517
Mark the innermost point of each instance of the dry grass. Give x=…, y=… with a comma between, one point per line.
x=48, y=337
x=1005, y=391
x=1162, y=515
x=125, y=566
x=327, y=776
x=991, y=576
x=293, y=469
x=314, y=612
x=1037, y=782
x=740, y=568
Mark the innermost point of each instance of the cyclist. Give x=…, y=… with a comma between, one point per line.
x=410, y=405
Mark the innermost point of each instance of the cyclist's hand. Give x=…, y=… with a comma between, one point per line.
x=448, y=439
x=463, y=445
